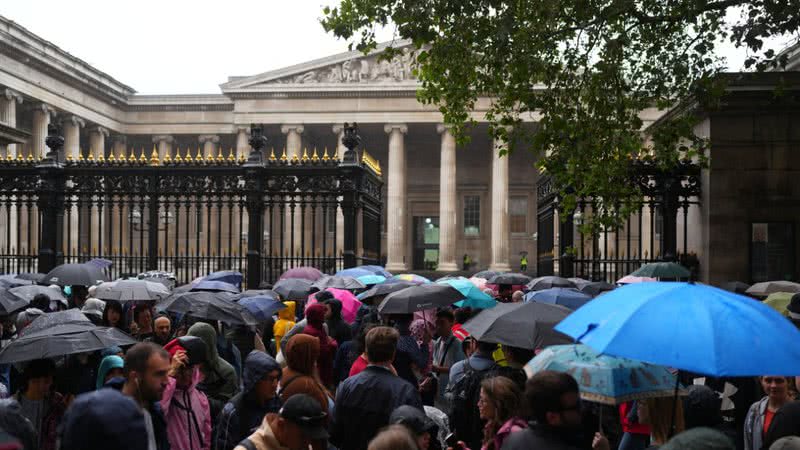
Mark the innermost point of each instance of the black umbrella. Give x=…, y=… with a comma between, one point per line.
x=418, y=298
x=257, y=293
x=293, y=288
x=486, y=274
x=75, y=274
x=35, y=277
x=10, y=303
x=736, y=287
x=209, y=305
x=50, y=320
x=596, y=288
x=12, y=281
x=337, y=282
x=509, y=278
x=523, y=325
x=382, y=290
x=541, y=283
x=28, y=292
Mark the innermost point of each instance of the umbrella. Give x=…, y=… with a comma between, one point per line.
x=567, y=297
x=486, y=274
x=305, y=273
x=480, y=283
x=509, y=278
x=350, y=303
x=262, y=307
x=10, y=303
x=75, y=274
x=131, y=290
x=523, y=325
x=605, y=379
x=369, y=280
x=226, y=276
x=35, y=277
x=381, y=290
x=258, y=293
x=215, y=286
x=293, y=288
x=418, y=298
x=779, y=301
x=538, y=284
x=354, y=272
x=473, y=297
x=377, y=270
x=412, y=278
x=100, y=263
x=670, y=270
x=595, y=288
x=735, y=286
x=769, y=287
x=631, y=279
x=209, y=305
x=450, y=277
x=12, y=281
x=688, y=326
x=28, y=292
x=338, y=283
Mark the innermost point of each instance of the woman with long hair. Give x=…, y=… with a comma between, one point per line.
x=500, y=404
x=661, y=414
x=759, y=416
x=315, y=317
x=112, y=315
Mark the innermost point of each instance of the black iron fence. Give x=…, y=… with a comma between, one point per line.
x=259, y=215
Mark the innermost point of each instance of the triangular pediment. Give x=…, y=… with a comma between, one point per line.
x=346, y=71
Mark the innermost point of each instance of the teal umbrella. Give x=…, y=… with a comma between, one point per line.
x=474, y=297
x=602, y=378
x=371, y=279
x=662, y=270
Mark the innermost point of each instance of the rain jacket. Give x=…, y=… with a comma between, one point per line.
x=242, y=414
x=219, y=383
x=337, y=327
x=315, y=317
x=188, y=415
x=512, y=425
x=284, y=324
x=108, y=363
x=302, y=353
x=105, y=419
x=55, y=406
x=264, y=438
x=754, y=425
x=536, y=437
x=785, y=423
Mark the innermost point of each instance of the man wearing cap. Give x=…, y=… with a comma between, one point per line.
x=185, y=407
x=294, y=427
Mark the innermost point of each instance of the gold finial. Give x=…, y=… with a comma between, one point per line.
x=231, y=156
x=154, y=157
x=69, y=157
x=295, y=159
x=242, y=158
x=167, y=159
x=371, y=162
x=220, y=158
x=80, y=155
x=132, y=156
x=198, y=158
x=325, y=157
x=9, y=157
x=178, y=158
x=101, y=158
x=305, y=155
x=30, y=157
x=315, y=157
x=142, y=158
x=283, y=156
x=20, y=157
x=91, y=156
x=111, y=158
x=188, y=157
x=210, y=158
x=272, y=154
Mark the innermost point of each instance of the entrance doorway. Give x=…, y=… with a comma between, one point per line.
x=426, y=243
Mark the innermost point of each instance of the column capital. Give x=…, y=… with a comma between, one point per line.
x=442, y=127
x=46, y=109
x=213, y=138
x=72, y=119
x=389, y=127
x=103, y=131
x=298, y=128
x=11, y=94
x=163, y=137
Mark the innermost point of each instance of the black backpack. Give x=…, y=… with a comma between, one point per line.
x=465, y=421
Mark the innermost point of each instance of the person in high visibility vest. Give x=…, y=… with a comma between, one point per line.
x=523, y=262
x=467, y=262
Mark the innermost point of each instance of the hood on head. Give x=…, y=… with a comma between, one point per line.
x=209, y=336
x=108, y=363
x=336, y=309
x=413, y=419
x=701, y=407
x=288, y=313
x=256, y=365
x=302, y=352
x=315, y=315
x=700, y=439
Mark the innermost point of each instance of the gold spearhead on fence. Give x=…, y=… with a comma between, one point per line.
x=178, y=158
x=199, y=157
x=231, y=156
x=154, y=157
x=315, y=157
x=220, y=158
x=142, y=158
x=283, y=156
x=305, y=155
x=272, y=154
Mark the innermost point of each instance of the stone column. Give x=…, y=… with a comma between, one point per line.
x=41, y=119
x=339, y=153
x=72, y=136
x=294, y=147
x=8, y=115
x=396, y=193
x=500, y=234
x=209, y=143
x=243, y=142
x=447, y=202
x=164, y=144
x=97, y=141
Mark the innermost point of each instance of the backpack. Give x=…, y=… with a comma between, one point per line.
x=464, y=419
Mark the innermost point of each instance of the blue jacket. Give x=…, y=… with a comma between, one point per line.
x=364, y=403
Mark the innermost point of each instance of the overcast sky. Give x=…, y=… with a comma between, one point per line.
x=188, y=47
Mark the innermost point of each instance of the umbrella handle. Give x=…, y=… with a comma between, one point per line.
x=589, y=329
x=673, y=416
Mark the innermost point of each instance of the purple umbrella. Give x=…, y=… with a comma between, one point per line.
x=305, y=273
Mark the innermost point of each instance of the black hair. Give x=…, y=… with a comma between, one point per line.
x=361, y=339
x=112, y=305
x=137, y=356
x=446, y=313
x=544, y=390
x=462, y=315
x=323, y=296
x=487, y=348
x=138, y=311
x=41, y=301
x=519, y=355
x=39, y=368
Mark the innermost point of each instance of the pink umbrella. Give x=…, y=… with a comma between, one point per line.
x=429, y=316
x=630, y=279
x=479, y=282
x=350, y=303
x=306, y=273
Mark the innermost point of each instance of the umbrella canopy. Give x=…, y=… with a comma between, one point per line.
x=28, y=292
x=736, y=287
x=370, y=280
x=595, y=288
x=779, y=301
x=480, y=283
x=305, y=273
x=691, y=327
x=209, y=305
x=523, y=325
x=411, y=278
x=567, y=297
x=380, y=290
x=549, y=282
x=338, y=283
x=354, y=272
x=214, y=286
x=450, y=277
x=350, y=303
x=226, y=276
x=257, y=293
x=509, y=278
x=631, y=279
x=10, y=303
x=418, y=298
x=100, y=263
x=12, y=281
x=486, y=274
x=262, y=307
x=293, y=288
x=35, y=277
x=605, y=379
x=377, y=270
x=670, y=270
x=770, y=287
x=75, y=274
x=131, y=290
x=473, y=297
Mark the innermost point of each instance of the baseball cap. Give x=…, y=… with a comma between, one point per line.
x=306, y=412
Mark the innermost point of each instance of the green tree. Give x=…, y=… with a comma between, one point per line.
x=585, y=68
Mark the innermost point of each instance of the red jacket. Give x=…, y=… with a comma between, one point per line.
x=627, y=425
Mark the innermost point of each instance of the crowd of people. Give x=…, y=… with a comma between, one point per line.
x=306, y=378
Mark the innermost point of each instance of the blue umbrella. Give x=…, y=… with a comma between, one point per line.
x=688, y=326
x=354, y=272
x=371, y=279
x=474, y=297
x=602, y=378
x=227, y=276
x=262, y=307
x=377, y=270
x=567, y=297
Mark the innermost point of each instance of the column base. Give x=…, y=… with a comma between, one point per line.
x=500, y=267
x=447, y=267
x=396, y=267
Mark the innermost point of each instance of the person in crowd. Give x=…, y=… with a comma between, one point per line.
x=702, y=408
x=315, y=316
x=517, y=297
x=500, y=405
x=635, y=435
x=360, y=362
x=409, y=353
x=142, y=326
x=421, y=332
x=785, y=423
x=464, y=390
x=244, y=413
x=338, y=329
x=93, y=310
x=25, y=318
x=104, y=419
x=298, y=423
x=228, y=351
x=394, y=437
x=162, y=330
x=41, y=301
x=554, y=404
x=78, y=375
x=365, y=401
x=760, y=415
x=446, y=352
x=39, y=404
x=481, y=360
x=185, y=408
x=423, y=428
x=146, y=372
x=111, y=366
x=113, y=350
x=516, y=358
x=663, y=415
x=284, y=323
x=299, y=376
x=77, y=296
x=219, y=383
x=112, y=314
x=793, y=310
x=14, y=423
x=461, y=316
x=322, y=297
x=700, y=438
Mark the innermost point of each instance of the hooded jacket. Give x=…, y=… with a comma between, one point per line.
x=108, y=363
x=302, y=353
x=315, y=316
x=284, y=324
x=337, y=327
x=188, y=415
x=96, y=419
x=243, y=414
x=264, y=438
x=219, y=382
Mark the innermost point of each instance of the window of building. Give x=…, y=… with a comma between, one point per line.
x=472, y=215
x=772, y=251
x=518, y=214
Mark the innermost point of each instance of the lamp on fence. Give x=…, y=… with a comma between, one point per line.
x=350, y=140
x=258, y=142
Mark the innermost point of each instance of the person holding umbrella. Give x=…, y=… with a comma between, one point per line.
x=43, y=407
